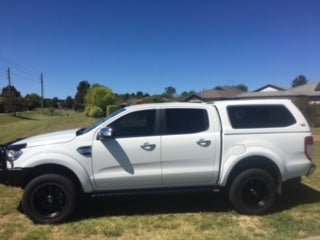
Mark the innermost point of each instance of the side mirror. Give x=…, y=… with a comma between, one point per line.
x=104, y=133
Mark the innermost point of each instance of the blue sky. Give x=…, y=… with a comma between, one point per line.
x=145, y=45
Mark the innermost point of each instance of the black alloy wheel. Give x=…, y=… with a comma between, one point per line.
x=253, y=192
x=49, y=199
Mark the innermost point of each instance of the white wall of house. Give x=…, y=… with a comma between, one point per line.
x=269, y=89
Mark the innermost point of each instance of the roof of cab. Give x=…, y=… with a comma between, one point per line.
x=252, y=102
x=217, y=103
x=170, y=104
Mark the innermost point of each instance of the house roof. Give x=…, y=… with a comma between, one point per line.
x=279, y=88
x=218, y=93
x=310, y=90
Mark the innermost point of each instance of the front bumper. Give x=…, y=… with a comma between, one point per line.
x=11, y=177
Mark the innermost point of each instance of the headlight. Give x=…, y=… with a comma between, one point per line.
x=13, y=155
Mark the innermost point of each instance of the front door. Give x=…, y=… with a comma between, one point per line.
x=131, y=157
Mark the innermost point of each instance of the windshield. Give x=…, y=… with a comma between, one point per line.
x=88, y=129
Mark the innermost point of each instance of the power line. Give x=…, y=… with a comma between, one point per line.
x=2, y=68
x=24, y=77
x=23, y=85
x=23, y=72
x=18, y=70
x=17, y=66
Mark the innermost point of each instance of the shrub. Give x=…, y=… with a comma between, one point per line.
x=99, y=96
x=112, y=108
x=311, y=111
x=154, y=99
x=94, y=111
x=2, y=105
x=50, y=110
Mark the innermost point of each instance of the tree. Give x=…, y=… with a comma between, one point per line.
x=33, y=101
x=10, y=89
x=126, y=96
x=310, y=111
x=241, y=87
x=185, y=94
x=69, y=102
x=2, y=105
x=82, y=90
x=54, y=102
x=139, y=94
x=13, y=102
x=154, y=99
x=98, y=96
x=170, y=91
x=48, y=103
x=298, y=81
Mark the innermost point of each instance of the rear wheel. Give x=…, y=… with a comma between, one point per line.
x=49, y=198
x=253, y=192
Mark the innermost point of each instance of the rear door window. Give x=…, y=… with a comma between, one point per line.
x=186, y=121
x=260, y=116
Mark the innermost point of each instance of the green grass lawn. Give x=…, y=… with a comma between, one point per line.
x=32, y=123
x=316, y=131
x=188, y=216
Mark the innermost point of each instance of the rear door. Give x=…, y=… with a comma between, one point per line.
x=190, y=146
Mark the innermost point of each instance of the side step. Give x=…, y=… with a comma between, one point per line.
x=156, y=191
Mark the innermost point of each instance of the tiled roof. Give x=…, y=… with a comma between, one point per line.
x=220, y=93
x=310, y=89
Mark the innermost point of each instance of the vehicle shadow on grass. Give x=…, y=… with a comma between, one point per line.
x=151, y=204
x=296, y=194
x=293, y=195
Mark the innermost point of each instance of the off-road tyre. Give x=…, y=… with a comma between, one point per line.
x=49, y=199
x=253, y=192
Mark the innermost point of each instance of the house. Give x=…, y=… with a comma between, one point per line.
x=270, y=88
x=216, y=94
x=309, y=90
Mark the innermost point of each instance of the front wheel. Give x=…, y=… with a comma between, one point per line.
x=49, y=198
x=253, y=192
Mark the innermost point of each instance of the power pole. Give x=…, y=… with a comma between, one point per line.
x=42, y=100
x=9, y=79
x=10, y=103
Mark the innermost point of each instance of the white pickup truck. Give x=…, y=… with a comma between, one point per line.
x=245, y=147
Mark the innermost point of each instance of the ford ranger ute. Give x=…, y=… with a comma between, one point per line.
x=246, y=147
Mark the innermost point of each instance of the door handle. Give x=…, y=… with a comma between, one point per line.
x=148, y=146
x=204, y=143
